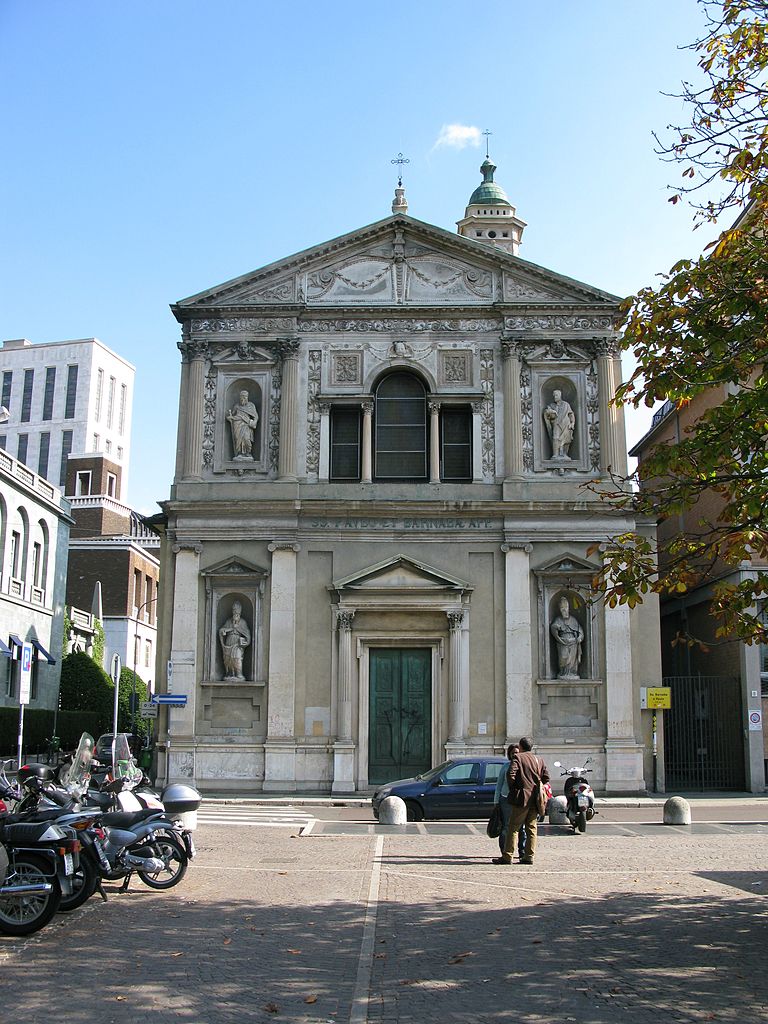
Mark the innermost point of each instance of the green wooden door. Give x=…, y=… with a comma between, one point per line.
x=399, y=744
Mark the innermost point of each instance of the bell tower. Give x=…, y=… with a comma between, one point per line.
x=490, y=217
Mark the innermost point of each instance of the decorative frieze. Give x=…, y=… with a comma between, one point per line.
x=346, y=368
x=487, y=415
x=558, y=323
x=393, y=324
x=264, y=325
x=314, y=363
x=455, y=367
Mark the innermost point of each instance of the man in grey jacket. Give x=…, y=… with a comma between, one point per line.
x=525, y=772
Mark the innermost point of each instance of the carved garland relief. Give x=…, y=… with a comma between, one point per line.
x=313, y=411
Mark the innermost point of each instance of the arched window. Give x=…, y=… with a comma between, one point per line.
x=401, y=429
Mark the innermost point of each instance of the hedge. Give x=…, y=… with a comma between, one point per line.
x=38, y=728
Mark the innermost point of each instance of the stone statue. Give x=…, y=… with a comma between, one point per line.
x=560, y=420
x=243, y=419
x=235, y=636
x=569, y=636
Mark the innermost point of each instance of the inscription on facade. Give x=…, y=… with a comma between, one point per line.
x=402, y=523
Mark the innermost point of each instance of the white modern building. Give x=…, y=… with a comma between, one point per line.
x=66, y=398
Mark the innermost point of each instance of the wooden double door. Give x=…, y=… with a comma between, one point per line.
x=400, y=713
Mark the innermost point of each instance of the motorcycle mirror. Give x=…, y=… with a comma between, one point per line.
x=558, y=765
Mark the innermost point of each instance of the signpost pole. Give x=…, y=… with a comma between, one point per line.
x=25, y=685
x=116, y=667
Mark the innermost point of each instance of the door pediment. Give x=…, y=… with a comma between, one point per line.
x=401, y=577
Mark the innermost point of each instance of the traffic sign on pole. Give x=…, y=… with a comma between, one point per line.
x=25, y=673
x=178, y=700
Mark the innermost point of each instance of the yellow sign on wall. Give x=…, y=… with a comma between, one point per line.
x=659, y=697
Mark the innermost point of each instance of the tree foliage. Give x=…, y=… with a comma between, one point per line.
x=85, y=686
x=704, y=332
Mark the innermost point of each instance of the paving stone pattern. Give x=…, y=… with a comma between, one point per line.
x=665, y=926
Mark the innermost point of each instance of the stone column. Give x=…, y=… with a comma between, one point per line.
x=457, y=691
x=280, y=745
x=520, y=672
x=193, y=434
x=613, y=445
x=434, y=442
x=289, y=410
x=344, y=748
x=367, y=453
x=623, y=755
x=513, y=410
x=323, y=472
x=180, y=763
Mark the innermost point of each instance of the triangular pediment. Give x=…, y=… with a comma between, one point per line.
x=398, y=261
x=234, y=567
x=567, y=564
x=399, y=574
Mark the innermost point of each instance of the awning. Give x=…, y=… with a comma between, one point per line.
x=17, y=643
x=41, y=650
x=6, y=650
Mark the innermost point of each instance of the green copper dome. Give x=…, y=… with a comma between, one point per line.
x=489, y=192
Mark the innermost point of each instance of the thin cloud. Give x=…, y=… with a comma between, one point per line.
x=458, y=136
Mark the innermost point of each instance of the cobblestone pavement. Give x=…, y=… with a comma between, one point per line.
x=415, y=928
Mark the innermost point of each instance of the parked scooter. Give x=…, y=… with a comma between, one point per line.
x=580, y=806
x=38, y=861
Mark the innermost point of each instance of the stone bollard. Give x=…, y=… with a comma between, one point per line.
x=392, y=811
x=677, y=811
x=557, y=806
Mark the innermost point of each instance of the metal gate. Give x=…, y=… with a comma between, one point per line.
x=703, y=740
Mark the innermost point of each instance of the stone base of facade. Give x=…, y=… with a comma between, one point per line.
x=343, y=767
x=623, y=767
x=280, y=766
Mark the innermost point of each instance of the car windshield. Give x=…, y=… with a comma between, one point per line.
x=435, y=771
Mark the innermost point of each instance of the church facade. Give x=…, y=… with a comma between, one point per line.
x=377, y=546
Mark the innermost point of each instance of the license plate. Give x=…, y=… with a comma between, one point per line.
x=69, y=864
x=583, y=800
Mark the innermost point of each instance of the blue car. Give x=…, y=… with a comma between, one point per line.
x=460, y=788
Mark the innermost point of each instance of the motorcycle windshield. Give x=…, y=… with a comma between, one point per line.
x=79, y=771
x=124, y=764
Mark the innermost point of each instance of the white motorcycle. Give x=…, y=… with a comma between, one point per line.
x=580, y=805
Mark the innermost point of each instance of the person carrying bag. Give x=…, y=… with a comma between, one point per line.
x=525, y=777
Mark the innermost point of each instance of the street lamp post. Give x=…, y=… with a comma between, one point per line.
x=135, y=649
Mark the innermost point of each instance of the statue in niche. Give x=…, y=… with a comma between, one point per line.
x=243, y=419
x=560, y=421
x=569, y=636
x=234, y=636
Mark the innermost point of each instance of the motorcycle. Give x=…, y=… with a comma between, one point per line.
x=38, y=862
x=580, y=805
x=115, y=843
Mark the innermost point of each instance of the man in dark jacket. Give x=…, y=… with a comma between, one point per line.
x=525, y=772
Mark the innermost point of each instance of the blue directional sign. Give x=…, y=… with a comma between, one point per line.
x=178, y=700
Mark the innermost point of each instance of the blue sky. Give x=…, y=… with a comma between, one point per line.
x=155, y=148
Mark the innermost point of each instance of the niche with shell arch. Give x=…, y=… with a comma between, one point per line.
x=232, y=404
x=569, y=394
x=568, y=636
x=227, y=584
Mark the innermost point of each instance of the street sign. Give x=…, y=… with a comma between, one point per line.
x=656, y=697
x=116, y=669
x=176, y=700
x=147, y=709
x=25, y=677
x=755, y=721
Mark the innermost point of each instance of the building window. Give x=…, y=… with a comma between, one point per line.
x=69, y=405
x=99, y=393
x=136, y=592
x=37, y=563
x=26, y=398
x=15, y=553
x=345, y=443
x=119, y=453
x=50, y=387
x=96, y=442
x=401, y=429
x=83, y=483
x=7, y=382
x=455, y=443
x=108, y=447
x=123, y=403
x=147, y=653
x=148, y=599
x=21, y=451
x=110, y=402
x=4, y=442
x=66, y=448
x=42, y=460
x=111, y=484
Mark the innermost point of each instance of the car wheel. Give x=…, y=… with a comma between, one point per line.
x=413, y=811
